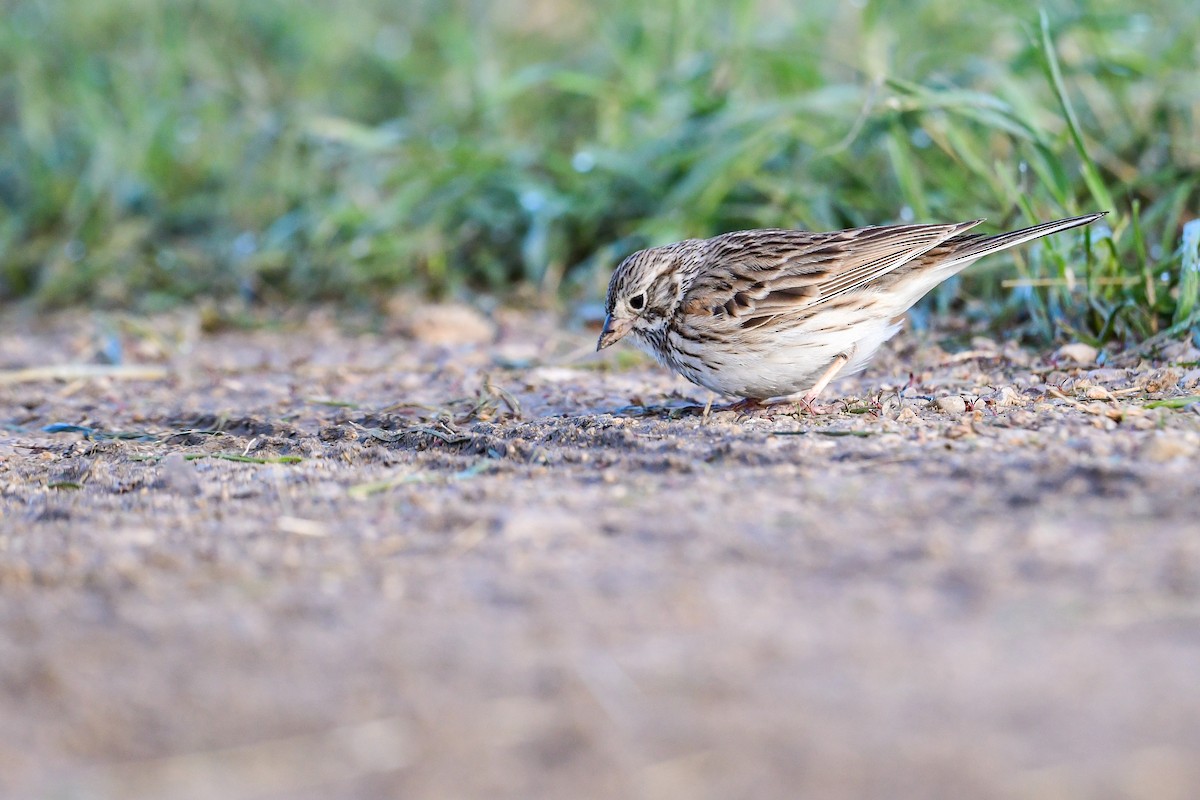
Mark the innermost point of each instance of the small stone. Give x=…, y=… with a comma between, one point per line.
x=1098, y=393
x=448, y=324
x=1077, y=353
x=1008, y=397
x=951, y=404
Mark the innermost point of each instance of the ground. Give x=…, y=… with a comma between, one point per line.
x=470, y=557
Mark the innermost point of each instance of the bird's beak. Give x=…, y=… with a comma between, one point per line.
x=614, y=331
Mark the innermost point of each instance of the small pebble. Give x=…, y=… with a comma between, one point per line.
x=952, y=404
x=449, y=324
x=1078, y=353
x=1008, y=397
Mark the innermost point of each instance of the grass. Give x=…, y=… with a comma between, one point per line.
x=154, y=153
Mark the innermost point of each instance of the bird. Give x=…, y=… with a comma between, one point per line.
x=773, y=313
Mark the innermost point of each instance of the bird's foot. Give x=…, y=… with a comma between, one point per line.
x=807, y=403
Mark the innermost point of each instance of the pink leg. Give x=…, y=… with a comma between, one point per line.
x=808, y=398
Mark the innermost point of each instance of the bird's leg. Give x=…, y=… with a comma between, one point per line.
x=808, y=398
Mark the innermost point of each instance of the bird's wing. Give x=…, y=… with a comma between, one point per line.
x=752, y=275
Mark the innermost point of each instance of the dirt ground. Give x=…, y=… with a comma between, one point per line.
x=470, y=557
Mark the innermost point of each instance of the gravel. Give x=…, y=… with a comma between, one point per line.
x=311, y=562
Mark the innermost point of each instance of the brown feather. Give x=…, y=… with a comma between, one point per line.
x=754, y=274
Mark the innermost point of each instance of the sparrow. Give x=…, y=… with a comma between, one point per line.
x=771, y=313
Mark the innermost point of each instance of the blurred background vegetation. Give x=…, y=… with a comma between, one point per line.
x=152, y=153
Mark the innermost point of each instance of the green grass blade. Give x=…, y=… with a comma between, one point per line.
x=1091, y=174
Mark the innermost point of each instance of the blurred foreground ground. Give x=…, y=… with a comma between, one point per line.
x=560, y=581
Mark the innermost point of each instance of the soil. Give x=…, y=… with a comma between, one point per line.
x=470, y=557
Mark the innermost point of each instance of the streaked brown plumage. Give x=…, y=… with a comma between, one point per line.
x=769, y=313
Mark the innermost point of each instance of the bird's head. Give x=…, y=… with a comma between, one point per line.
x=644, y=292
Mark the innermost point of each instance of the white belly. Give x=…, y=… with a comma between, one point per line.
x=788, y=362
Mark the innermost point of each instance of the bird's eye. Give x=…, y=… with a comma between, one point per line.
x=638, y=301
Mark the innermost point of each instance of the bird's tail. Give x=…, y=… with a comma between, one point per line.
x=967, y=247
